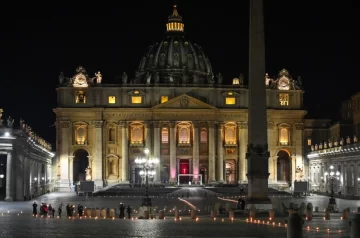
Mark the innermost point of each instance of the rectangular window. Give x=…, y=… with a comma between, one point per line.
x=136, y=99
x=309, y=141
x=230, y=101
x=80, y=98
x=164, y=99
x=111, y=99
x=164, y=135
x=284, y=99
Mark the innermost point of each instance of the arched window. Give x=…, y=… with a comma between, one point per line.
x=164, y=135
x=136, y=133
x=184, y=133
x=112, y=135
x=230, y=134
x=80, y=133
x=284, y=134
x=203, y=135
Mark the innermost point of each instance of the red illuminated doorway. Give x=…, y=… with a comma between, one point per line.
x=184, y=169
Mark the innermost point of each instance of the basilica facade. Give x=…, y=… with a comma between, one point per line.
x=188, y=118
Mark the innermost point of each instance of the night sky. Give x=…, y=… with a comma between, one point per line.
x=311, y=39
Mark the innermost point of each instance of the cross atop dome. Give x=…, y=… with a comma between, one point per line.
x=175, y=22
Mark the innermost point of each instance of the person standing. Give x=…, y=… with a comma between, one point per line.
x=34, y=209
x=122, y=211
x=128, y=210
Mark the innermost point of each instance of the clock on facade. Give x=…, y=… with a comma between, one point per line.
x=80, y=81
x=284, y=83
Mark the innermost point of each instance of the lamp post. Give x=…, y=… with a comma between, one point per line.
x=147, y=165
x=332, y=176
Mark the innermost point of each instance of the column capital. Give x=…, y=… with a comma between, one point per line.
x=123, y=124
x=156, y=124
x=220, y=125
x=299, y=126
x=242, y=124
x=197, y=124
x=172, y=124
x=147, y=124
x=211, y=124
x=65, y=124
x=97, y=124
x=270, y=125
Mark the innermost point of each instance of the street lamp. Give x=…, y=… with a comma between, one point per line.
x=147, y=165
x=332, y=176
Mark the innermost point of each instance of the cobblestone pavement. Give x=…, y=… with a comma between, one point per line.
x=28, y=226
x=24, y=225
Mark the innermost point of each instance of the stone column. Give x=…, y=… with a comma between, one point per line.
x=9, y=177
x=195, y=168
x=148, y=136
x=156, y=150
x=124, y=151
x=71, y=169
x=64, y=153
x=242, y=127
x=211, y=125
x=97, y=170
x=19, y=177
x=26, y=177
x=258, y=153
x=270, y=138
x=356, y=176
x=220, y=151
x=173, y=172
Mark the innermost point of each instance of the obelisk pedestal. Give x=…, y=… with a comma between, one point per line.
x=257, y=153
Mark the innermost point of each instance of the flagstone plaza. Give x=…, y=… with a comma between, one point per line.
x=16, y=219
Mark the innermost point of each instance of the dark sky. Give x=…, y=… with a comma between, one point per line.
x=311, y=39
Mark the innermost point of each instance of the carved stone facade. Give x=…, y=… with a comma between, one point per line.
x=25, y=164
x=191, y=122
x=344, y=159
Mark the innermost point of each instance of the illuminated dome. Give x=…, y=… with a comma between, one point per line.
x=175, y=59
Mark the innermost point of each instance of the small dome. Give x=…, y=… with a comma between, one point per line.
x=175, y=59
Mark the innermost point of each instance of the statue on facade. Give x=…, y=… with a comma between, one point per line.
x=325, y=145
x=157, y=77
x=336, y=143
x=171, y=79
x=1, y=111
x=312, y=148
x=113, y=168
x=241, y=79
x=98, y=77
x=342, y=141
x=355, y=139
x=330, y=143
x=299, y=82
x=320, y=146
x=148, y=78
x=10, y=122
x=348, y=140
x=267, y=80
x=124, y=78
x=220, y=78
x=88, y=174
x=316, y=147
x=299, y=173
x=61, y=78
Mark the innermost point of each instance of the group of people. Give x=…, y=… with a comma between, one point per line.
x=48, y=210
x=122, y=211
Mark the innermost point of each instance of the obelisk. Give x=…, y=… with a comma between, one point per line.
x=257, y=153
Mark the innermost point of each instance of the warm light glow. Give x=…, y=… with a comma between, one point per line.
x=284, y=99
x=111, y=99
x=230, y=101
x=80, y=98
x=136, y=92
x=284, y=136
x=331, y=167
x=136, y=99
x=164, y=99
x=236, y=81
x=7, y=134
x=309, y=141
